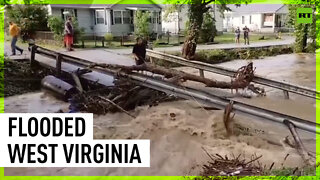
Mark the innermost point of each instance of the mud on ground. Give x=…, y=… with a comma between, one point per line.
x=19, y=78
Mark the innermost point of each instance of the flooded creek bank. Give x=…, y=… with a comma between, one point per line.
x=177, y=141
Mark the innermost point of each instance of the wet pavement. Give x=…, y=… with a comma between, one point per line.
x=285, y=41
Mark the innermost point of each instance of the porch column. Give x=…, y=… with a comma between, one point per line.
x=157, y=18
x=274, y=22
x=108, y=20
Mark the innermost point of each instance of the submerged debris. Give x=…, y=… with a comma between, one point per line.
x=124, y=96
x=235, y=166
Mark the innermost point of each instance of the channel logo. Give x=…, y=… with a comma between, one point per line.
x=304, y=15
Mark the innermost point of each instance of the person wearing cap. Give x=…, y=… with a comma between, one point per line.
x=139, y=51
x=14, y=31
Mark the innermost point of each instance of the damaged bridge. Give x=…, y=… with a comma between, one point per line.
x=68, y=64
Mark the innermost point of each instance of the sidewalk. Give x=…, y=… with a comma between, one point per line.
x=120, y=56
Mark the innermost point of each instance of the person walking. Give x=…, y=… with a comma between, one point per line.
x=14, y=31
x=237, y=35
x=139, y=51
x=246, y=31
x=68, y=34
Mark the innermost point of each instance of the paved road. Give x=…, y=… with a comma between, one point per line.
x=120, y=56
x=94, y=55
x=105, y=56
x=285, y=41
x=98, y=56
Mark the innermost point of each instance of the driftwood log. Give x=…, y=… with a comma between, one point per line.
x=228, y=119
x=305, y=155
x=240, y=80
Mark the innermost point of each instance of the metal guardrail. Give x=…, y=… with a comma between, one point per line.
x=180, y=91
x=286, y=87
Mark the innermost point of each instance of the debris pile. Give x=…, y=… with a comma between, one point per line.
x=235, y=166
x=124, y=96
x=20, y=78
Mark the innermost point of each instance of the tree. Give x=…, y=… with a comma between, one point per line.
x=208, y=30
x=7, y=2
x=197, y=8
x=141, y=24
x=29, y=18
x=56, y=25
x=303, y=32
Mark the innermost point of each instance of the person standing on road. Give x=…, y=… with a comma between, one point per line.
x=14, y=31
x=246, y=31
x=237, y=35
x=139, y=51
x=68, y=37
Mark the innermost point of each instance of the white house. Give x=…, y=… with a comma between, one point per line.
x=257, y=17
x=177, y=20
x=98, y=19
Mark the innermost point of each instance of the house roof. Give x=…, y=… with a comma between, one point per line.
x=93, y=5
x=255, y=8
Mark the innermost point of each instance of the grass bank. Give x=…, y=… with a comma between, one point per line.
x=219, y=56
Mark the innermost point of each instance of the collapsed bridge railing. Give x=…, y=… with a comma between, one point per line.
x=285, y=86
x=178, y=90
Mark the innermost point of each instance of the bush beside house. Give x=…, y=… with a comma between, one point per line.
x=56, y=25
x=29, y=18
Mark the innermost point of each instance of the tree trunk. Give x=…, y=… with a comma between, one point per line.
x=196, y=11
x=190, y=45
x=241, y=79
x=305, y=38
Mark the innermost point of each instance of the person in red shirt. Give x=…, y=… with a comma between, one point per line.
x=68, y=31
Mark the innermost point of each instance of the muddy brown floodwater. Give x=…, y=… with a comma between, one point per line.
x=177, y=142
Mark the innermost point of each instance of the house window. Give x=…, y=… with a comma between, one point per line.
x=117, y=16
x=155, y=17
x=126, y=17
x=68, y=12
x=250, y=19
x=100, y=17
x=268, y=17
x=268, y=20
x=243, y=19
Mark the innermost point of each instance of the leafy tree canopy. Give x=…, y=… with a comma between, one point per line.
x=196, y=11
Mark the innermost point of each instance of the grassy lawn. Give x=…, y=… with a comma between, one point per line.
x=225, y=38
x=229, y=38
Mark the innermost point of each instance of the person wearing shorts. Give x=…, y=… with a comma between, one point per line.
x=237, y=35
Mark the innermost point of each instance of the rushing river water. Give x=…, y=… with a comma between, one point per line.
x=178, y=143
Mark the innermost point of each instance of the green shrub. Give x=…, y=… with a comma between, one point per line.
x=56, y=25
x=141, y=24
x=109, y=38
x=29, y=18
x=77, y=31
x=208, y=29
